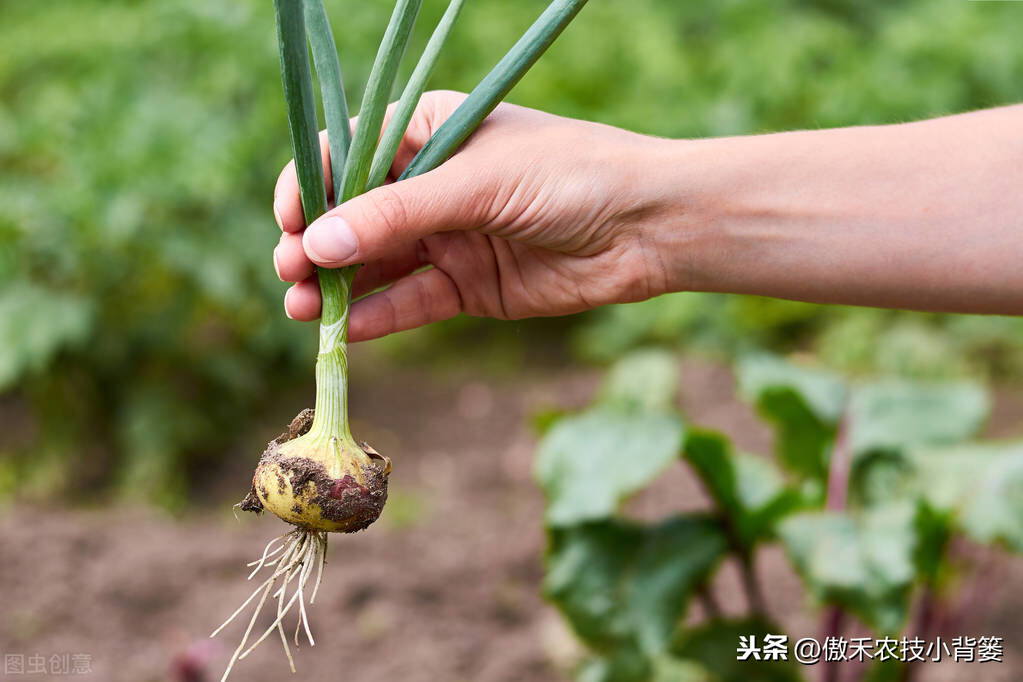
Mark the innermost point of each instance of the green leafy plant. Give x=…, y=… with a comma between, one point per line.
x=315, y=476
x=144, y=316
x=872, y=486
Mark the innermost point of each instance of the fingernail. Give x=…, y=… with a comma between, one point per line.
x=277, y=266
x=330, y=240
x=277, y=216
x=286, y=294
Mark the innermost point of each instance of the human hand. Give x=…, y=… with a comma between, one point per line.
x=536, y=215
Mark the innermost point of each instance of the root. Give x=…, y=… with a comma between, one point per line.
x=292, y=558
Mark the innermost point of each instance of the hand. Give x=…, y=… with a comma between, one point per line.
x=536, y=215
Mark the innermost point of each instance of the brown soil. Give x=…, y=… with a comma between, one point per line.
x=444, y=587
x=337, y=504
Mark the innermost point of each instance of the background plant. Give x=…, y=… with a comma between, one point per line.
x=874, y=490
x=138, y=140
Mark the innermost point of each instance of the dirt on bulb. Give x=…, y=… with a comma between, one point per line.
x=301, y=491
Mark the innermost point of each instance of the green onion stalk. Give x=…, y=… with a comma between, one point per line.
x=315, y=476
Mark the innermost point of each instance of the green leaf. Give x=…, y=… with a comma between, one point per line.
x=676, y=556
x=374, y=101
x=587, y=566
x=893, y=414
x=886, y=671
x=863, y=562
x=714, y=646
x=670, y=669
x=332, y=90
x=37, y=325
x=995, y=511
x=624, y=586
x=823, y=393
x=410, y=96
x=747, y=488
x=643, y=380
x=880, y=477
x=982, y=484
x=934, y=530
x=803, y=404
x=297, y=78
x=623, y=665
x=495, y=86
x=628, y=666
x=587, y=464
x=545, y=419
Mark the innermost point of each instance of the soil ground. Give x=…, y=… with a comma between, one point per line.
x=444, y=587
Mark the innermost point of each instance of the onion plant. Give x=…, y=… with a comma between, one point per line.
x=316, y=476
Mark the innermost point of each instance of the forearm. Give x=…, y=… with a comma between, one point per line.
x=925, y=215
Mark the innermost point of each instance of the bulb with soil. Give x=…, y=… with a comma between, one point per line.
x=318, y=481
x=315, y=477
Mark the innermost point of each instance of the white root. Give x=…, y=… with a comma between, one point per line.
x=322, y=539
x=259, y=563
x=292, y=558
x=280, y=627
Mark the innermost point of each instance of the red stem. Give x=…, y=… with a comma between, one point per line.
x=839, y=470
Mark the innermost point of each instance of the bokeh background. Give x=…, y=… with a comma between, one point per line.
x=145, y=357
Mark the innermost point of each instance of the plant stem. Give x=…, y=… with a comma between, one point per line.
x=834, y=623
x=298, y=95
x=410, y=97
x=838, y=490
x=378, y=91
x=335, y=285
x=840, y=468
x=495, y=86
x=332, y=91
x=986, y=567
x=331, y=416
x=928, y=620
x=751, y=586
x=709, y=601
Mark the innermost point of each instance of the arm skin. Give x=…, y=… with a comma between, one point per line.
x=541, y=215
x=923, y=216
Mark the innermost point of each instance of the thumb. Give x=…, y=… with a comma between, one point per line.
x=374, y=224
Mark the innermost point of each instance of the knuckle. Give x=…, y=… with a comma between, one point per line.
x=389, y=318
x=422, y=296
x=388, y=211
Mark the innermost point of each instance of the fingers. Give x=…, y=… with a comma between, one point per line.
x=434, y=108
x=290, y=261
x=287, y=201
x=302, y=301
x=292, y=265
x=416, y=300
x=384, y=220
x=378, y=273
x=387, y=237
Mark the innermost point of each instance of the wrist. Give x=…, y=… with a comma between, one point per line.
x=726, y=212
x=676, y=210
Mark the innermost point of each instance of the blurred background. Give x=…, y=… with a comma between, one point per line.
x=145, y=359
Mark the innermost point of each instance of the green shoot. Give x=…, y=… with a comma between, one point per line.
x=315, y=476
x=332, y=91
x=298, y=93
x=410, y=97
x=378, y=92
x=494, y=87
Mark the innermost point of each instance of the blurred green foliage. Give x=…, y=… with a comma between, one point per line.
x=869, y=528
x=140, y=323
